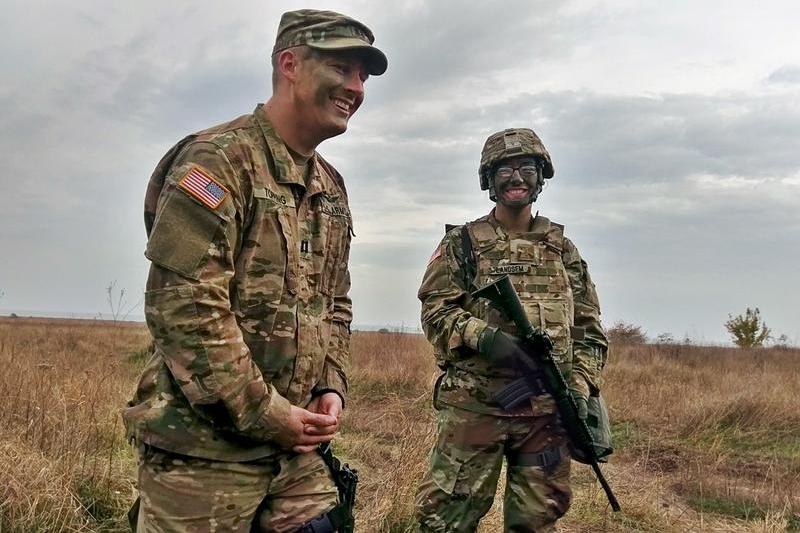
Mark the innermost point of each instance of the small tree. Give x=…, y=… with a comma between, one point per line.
x=748, y=330
x=624, y=333
x=782, y=342
x=118, y=303
x=665, y=338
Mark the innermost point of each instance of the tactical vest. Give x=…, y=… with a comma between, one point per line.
x=533, y=262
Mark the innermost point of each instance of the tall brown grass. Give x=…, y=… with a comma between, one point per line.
x=63, y=463
x=707, y=438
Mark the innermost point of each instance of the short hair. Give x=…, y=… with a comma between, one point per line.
x=303, y=53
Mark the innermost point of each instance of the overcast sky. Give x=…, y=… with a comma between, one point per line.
x=673, y=128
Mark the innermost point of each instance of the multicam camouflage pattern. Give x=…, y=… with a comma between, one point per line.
x=247, y=303
x=512, y=143
x=466, y=464
x=556, y=291
x=327, y=30
x=180, y=493
x=475, y=433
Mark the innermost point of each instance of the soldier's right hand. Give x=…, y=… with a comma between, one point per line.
x=500, y=348
x=296, y=438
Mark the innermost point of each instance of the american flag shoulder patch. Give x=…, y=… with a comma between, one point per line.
x=202, y=186
x=436, y=254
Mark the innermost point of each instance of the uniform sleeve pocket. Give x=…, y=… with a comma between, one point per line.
x=182, y=234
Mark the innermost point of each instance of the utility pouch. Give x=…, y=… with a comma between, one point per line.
x=599, y=428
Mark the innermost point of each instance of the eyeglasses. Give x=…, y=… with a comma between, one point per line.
x=526, y=170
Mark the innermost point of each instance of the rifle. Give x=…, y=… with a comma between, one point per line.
x=538, y=345
x=346, y=480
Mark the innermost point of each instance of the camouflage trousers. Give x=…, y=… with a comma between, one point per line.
x=465, y=466
x=188, y=494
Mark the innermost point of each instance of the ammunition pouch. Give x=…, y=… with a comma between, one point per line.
x=518, y=391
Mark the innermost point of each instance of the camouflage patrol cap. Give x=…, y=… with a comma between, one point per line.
x=326, y=30
x=511, y=143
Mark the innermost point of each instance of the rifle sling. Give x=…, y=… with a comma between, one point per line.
x=470, y=263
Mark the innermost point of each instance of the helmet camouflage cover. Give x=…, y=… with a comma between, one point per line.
x=511, y=143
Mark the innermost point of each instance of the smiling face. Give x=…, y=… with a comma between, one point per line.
x=517, y=181
x=328, y=90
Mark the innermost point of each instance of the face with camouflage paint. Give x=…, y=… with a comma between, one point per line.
x=329, y=90
x=520, y=188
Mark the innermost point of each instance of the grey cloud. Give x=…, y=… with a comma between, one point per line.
x=786, y=75
x=437, y=49
x=601, y=138
x=595, y=140
x=98, y=92
x=393, y=256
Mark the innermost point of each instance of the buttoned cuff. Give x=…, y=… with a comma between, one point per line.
x=319, y=392
x=471, y=333
x=580, y=384
x=332, y=380
x=587, y=365
x=275, y=417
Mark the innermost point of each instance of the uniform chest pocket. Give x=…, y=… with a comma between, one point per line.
x=261, y=267
x=330, y=249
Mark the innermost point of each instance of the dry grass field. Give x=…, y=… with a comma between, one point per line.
x=708, y=439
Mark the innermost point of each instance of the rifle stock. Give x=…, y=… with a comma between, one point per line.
x=503, y=296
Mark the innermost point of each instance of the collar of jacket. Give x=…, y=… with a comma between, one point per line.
x=286, y=171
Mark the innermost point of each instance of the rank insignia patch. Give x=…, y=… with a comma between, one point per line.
x=203, y=187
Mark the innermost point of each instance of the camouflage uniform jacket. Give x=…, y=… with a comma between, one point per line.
x=554, y=287
x=247, y=298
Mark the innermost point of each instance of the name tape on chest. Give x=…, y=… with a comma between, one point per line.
x=268, y=194
x=334, y=209
x=204, y=187
x=497, y=270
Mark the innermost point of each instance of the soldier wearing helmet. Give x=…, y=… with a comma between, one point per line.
x=509, y=144
x=476, y=348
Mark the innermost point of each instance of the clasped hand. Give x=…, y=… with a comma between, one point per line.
x=307, y=428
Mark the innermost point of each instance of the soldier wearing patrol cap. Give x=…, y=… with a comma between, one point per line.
x=476, y=348
x=247, y=300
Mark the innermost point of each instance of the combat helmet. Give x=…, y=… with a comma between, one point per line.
x=511, y=143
